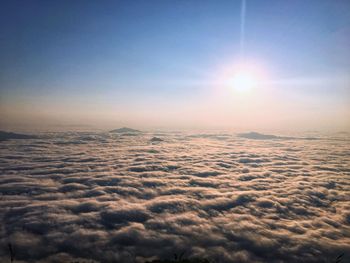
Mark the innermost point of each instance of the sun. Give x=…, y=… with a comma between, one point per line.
x=243, y=81
x=243, y=77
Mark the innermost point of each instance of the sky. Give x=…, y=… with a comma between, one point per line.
x=173, y=64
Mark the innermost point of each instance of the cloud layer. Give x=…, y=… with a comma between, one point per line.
x=115, y=198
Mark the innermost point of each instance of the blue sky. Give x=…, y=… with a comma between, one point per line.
x=127, y=60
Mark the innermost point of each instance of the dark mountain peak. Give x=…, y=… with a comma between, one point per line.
x=11, y=135
x=125, y=130
x=156, y=139
x=257, y=136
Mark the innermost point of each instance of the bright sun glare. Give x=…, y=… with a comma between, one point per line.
x=243, y=77
x=243, y=81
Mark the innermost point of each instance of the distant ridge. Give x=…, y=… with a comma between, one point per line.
x=257, y=136
x=125, y=130
x=260, y=136
x=156, y=139
x=11, y=135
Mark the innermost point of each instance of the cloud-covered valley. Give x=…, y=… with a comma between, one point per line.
x=116, y=198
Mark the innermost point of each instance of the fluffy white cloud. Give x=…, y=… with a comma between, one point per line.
x=114, y=198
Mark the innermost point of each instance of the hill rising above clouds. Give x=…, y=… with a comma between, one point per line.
x=125, y=130
x=11, y=135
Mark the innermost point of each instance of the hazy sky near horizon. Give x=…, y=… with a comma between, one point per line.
x=168, y=64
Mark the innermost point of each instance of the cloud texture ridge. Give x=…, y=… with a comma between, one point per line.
x=113, y=198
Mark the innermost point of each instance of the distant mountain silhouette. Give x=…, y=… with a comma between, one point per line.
x=11, y=135
x=260, y=136
x=156, y=139
x=125, y=130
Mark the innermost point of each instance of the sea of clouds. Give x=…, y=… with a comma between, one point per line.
x=122, y=198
